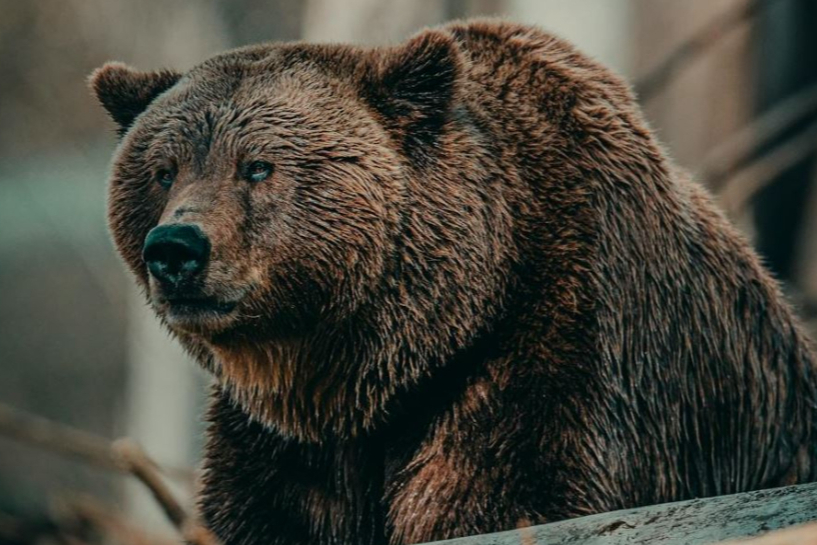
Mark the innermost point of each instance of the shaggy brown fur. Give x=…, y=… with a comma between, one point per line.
x=472, y=293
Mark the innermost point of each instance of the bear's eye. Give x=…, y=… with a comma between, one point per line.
x=165, y=177
x=257, y=171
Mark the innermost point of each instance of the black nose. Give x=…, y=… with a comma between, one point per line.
x=176, y=254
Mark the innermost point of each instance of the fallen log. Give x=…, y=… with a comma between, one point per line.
x=694, y=522
x=797, y=535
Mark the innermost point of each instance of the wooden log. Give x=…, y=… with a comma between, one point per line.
x=798, y=535
x=693, y=522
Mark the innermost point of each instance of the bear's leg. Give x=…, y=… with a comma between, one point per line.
x=492, y=462
x=260, y=487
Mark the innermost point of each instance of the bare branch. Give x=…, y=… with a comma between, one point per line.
x=146, y=471
x=655, y=81
x=68, y=441
x=58, y=438
x=726, y=158
x=86, y=511
x=123, y=455
x=748, y=181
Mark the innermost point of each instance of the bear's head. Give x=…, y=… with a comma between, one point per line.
x=298, y=214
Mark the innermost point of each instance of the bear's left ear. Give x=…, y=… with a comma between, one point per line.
x=125, y=92
x=414, y=86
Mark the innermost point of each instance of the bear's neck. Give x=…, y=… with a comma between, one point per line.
x=346, y=382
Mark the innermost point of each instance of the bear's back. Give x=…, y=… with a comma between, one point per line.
x=691, y=337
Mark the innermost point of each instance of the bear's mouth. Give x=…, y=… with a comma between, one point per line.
x=196, y=313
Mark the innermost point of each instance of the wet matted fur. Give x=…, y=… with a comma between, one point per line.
x=474, y=293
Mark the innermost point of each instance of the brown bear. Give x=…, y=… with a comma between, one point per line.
x=447, y=288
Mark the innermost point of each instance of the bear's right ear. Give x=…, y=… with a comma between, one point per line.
x=414, y=86
x=125, y=92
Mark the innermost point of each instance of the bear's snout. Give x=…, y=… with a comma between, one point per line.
x=176, y=254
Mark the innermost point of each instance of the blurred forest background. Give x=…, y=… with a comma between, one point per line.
x=730, y=86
